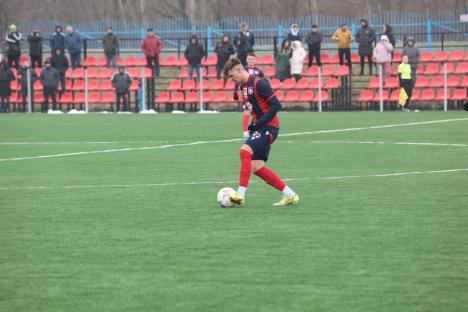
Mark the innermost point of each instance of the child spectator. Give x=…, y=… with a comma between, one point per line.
x=13, y=40
x=35, y=47
x=314, y=42
x=49, y=79
x=297, y=60
x=224, y=49
x=406, y=80
x=6, y=77
x=383, y=56
x=121, y=81
x=194, y=53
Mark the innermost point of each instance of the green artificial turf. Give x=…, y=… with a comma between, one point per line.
x=140, y=230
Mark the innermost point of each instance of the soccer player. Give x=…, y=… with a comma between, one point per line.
x=263, y=104
x=253, y=70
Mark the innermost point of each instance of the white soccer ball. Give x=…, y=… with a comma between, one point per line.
x=223, y=197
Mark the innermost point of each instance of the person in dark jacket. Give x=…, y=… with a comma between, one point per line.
x=13, y=40
x=224, y=49
x=57, y=40
x=314, y=42
x=194, y=53
x=49, y=79
x=388, y=31
x=60, y=62
x=294, y=34
x=282, y=61
x=23, y=72
x=6, y=77
x=365, y=37
x=35, y=47
x=73, y=44
x=121, y=81
x=412, y=51
x=244, y=42
x=110, y=44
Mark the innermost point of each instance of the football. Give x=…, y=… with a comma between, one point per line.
x=223, y=197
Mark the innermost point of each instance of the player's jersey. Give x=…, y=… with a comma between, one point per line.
x=257, y=93
x=254, y=71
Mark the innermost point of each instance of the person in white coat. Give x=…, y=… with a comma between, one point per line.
x=383, y=55
x=297, y=59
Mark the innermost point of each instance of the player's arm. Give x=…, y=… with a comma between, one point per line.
x=266, y=92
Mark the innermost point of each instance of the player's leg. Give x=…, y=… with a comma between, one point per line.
x=245, y=154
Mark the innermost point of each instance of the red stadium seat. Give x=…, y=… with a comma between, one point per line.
x=182, y=61
x=422, y=82
x=420, y=69
x=130, y=61
x=191, y=97
x=79, y=98
x=437, y=82
x=89, y=61
x=266, y=59
x=385, y=96
x=14, y=85
x=441, y=56
x=183, y=73
x=220, y=97
x=312, y=71
x=427, y=95
x=275, y=83
x=332, y=83
x=464, y=83
x=14, y=98
x=230, y=85
x=302, y=84
x=163, y=98
x=104, y=73
x=170, y=61
x=374, y=83
x=325, y=59
x=450, y=68
x=306, y=96
x=280, y=95
x=441, y=95
x=101, y=62
x=453, y=82
x=177, y=97
x=394, y=96
x=207, y=97
x=426, y=57
x=38, y=98
x=391, y=83
x=459, y=95
x=366, y=96
x=147, y=73
x=462, y=69
x=432, y=69
x=291, y=96
x=217, y=84
x=78, y=85
x=106, y=85
x=94, y=98
x=38, y=86
x=107, y=98
x=324, y=97
x=174, y=85
x=415, y=95
x=204, y=84
x=334, y=59
x=211, y=72
x=456, y=56
x=288, y=84
x=93, y=85
x=342, y=70
x=355, y=58
x=314, y=84
x=211, y=60
x=133, y=72
x=396, y=57
x=328, y=71
x=189, y=85
x=269, y=72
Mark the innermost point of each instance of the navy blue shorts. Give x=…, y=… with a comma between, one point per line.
x=260, y=141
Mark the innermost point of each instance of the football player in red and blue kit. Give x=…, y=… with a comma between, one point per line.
x=263, y=105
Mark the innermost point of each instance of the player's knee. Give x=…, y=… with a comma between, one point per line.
x=246, y=148
x=257, y=165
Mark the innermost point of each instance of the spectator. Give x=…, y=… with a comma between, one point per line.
x=314, y=42
x=110, y=44
x=365, y=37
x=224, y=49
x=383, y=55
x=23, y=72
x=244, y=42
x=282, y=65
x=6, y=77
x=388, y=31
x=194, y=53
x=294, y=34
x=121, y=81
x=406, y=80
x=35, y=47
x=73, y=44
x=57, y=40
x=49, y=79
x=413, y=54
x=151, y=47
x=13, y=39
x=297, y=60
x=343, y=38
x=60, y=62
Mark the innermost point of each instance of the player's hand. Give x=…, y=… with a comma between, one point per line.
x=236, y=96
x=254, y=127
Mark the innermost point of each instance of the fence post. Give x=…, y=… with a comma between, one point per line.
x=86, y=89
x=201, y=90
x=280, y=34
x=442, y=41
x=320, y=89
x=429, y=34
x=353, y=32
x=143, y=90
x=381, y=87
x=445, y=87
x=142, y=32
x=209, y=32
x=85, y=49
x=29, y=91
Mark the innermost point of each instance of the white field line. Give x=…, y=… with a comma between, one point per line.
x=231, y=140
x=80, y=143
x=378, y=142
x=379, y=175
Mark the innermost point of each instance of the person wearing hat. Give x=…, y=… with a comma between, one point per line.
x=343, y=38
x=151, y=47
x=224, y=50
x=294, y=34
x=35, y=47
x=413, y=54
x=6, y=77
x=244, y=42
x=314, y=42
x=365, y=37
x=49, y=79
x=57, y=40
x=110, y=43
x=13, y=39
x=60, y=62
x=121, y=81
x=194, y=53
x=382, y=55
